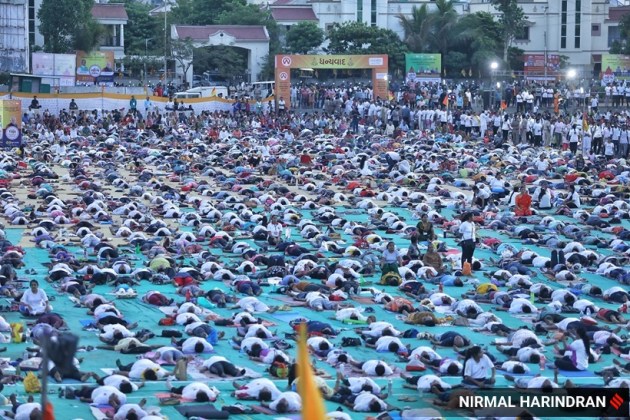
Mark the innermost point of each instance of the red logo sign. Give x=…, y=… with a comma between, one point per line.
x=286, y=61
x=284, y=75
x=616, y=401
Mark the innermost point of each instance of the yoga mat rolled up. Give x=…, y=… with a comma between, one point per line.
x=206, y=411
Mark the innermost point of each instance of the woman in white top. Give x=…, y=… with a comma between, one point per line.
x=577, y=355
x=468, y=242
x=275, y=231
x=477, y=367
x=391, y=259
x=34, y=301
x=573, y=201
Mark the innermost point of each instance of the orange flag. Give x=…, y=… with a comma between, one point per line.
x=445, y=101
x=312, y=402
x=48, y=412
x=503, y=105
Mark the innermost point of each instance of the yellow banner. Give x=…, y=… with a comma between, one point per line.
x=11, y=123
x=331, y=61
x=284, y=63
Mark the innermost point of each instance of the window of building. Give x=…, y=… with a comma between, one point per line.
x=596, y=30
x=523, y=35
x=31, y=23
x=578, y=22
x=613, y=35
x=373, y=12
x=563, y=25
x=359, y=10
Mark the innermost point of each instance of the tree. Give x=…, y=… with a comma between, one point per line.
x=359, y=38
x=140, y=27
x=182, y=51
x=621, y=46
x=304, y=37
x=417, y=28
x=201, y=12
x=512, y=20
x=226, y=61
x=68, y=25
x=431, y=31
x=478, y=39
x=444, y=23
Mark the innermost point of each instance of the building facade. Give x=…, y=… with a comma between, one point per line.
x=581, y=30
x=14, y=36
x=112, y=16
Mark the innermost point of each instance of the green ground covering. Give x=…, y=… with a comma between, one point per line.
x=148, y=316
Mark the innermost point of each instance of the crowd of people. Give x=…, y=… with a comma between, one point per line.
x=464, y=249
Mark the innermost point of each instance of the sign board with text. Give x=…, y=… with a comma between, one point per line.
x=423, y=67
x=284, y=64
x=10, y=123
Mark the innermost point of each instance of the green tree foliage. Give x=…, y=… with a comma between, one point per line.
x=477, y=40
x=445, y=21
x=418, y=29
x=182, y=52
x=431, y=30
x=304, y=37
x=622, y=47
x=141, y=26
x=201, y=12
x=228, y=12
x=469, y=42
x=226, y=61
x=359, y=38
x=68, y=25
x=512, y=20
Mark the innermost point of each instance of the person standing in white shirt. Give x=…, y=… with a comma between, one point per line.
x=468, y=244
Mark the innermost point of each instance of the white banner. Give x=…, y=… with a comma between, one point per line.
x=55, y=103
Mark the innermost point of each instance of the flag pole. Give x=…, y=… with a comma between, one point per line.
x=45, y=359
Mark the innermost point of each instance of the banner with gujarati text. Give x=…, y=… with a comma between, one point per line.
x=378, y=63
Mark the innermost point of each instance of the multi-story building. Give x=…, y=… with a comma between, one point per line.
x=14, y=39
x=112, y=16
x=581, y=30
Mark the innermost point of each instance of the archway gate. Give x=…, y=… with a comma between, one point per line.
x=284, y=64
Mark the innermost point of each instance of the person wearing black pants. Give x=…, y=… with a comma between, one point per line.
x=467, y=230
x=223, y=368
x=581, y=353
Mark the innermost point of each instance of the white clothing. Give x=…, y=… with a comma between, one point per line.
x=293, y=400
x=101, y=395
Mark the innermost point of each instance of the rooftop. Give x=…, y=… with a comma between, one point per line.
x=109, y=11
x=239, y=32
x=293, y=13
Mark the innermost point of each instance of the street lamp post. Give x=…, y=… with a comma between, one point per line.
x=165, y=35
x=493, y=66
x=571, y=74
x=146, y=56
x=546, y=46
